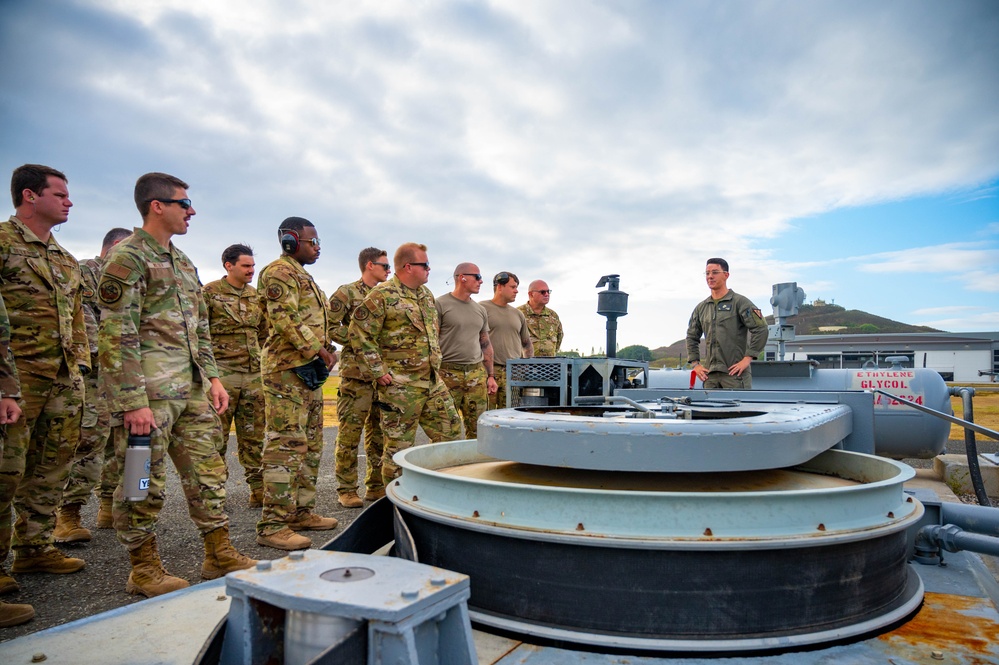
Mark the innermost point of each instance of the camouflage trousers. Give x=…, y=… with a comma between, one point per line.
x=467, y=385
x=37, y=454
x=246, y=408
x=110, y=471
x=402, y=407
x=356, y=414
x=722, y=380
x=188, y=431
x=95, y=435
x=498, y=401
x=293, y=447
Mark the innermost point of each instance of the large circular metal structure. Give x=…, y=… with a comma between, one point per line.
x=656, y=561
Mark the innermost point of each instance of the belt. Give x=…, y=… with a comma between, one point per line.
x=463, y=367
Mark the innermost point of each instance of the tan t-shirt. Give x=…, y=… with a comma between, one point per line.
x=462, y=322
x=507, y=331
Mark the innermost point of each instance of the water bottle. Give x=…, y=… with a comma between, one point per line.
x=136, y=475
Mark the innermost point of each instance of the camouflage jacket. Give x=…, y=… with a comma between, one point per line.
x=342, y=306
x=40, y=285
x=725, y=324
x=545, y=330
x=238, y=326
x=153, y=341
x=9, y=384
x=90, y=273
x=297, y=315
x=396, y=331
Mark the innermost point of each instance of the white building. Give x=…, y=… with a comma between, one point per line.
x=959, y=357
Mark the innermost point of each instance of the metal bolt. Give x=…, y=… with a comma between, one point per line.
x=38, y=657
x=937, y=655
x=891, y=515
x=297, y=555
x=411, y=594
x=579, y=527
x=416, y=498
x=264, y=565
x=708, y=532
x=438, y=581
x=475, y=513
x=821, y=527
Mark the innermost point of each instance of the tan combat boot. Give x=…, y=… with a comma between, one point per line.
x=105, y=514
x=221, y=557
x=7, y=583
x=68, y=528
x=374, y=495
x=350, y=500
x=285, y=539
x=148, y=577
x=306, y=520
x=44, y=559
x=15, y=615
x=257, y=497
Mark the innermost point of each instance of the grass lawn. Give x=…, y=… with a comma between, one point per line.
x=329, y=401
x=986, y=405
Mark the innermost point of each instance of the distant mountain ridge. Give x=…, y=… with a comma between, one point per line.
x=811, y=319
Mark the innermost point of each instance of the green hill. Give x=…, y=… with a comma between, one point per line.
x=812, y=317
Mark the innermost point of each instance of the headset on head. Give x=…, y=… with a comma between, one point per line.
x=289, y=241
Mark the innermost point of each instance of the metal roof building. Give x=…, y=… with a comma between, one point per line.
x=967, y=357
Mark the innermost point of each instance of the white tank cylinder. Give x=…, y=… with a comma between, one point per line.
x=899, y=430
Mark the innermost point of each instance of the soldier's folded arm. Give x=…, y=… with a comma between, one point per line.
x=119, y=357
x=282, y=312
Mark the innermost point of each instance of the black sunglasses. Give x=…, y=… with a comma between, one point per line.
x=183, y=203
x=476, y=275
x=383, y=265
x=425, y=264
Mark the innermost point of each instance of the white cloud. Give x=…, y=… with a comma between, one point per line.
x=556, y=139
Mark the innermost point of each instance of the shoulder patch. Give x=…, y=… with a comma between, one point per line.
x=110, y=291
x=758, y=314
x=336, y=306
x=118, y=270
x=275, y=291
x=361, y=313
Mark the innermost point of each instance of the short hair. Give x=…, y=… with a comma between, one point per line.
x=295, y=224
x=502, y=278
x=718, y=262
x=406, y=253
x=369, y=254
x=232, y=253
x=114, y=236
x=463, y=268
x=31, y=176
x=155, y=186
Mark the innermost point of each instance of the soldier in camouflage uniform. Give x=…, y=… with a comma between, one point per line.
x=95, y=435
x=507, y=332
x=11, y=614
x=543, y=324
x=40, y=283
x=725, y=318
x=355, y=408
x=466, y=352
x=237, y=324
x=156, y=363
x=394, y=334
x=297, y=357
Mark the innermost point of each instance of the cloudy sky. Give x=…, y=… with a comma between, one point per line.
x=852, y=147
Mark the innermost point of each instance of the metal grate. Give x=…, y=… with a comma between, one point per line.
x=536, y=372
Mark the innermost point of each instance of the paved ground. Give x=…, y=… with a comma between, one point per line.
x=100, y=586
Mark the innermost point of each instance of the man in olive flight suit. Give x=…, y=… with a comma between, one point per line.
x=395, y=335
x=159, y=374
x=297, y=357
x=725, y=319
x=355, y=406
x=237, y=324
